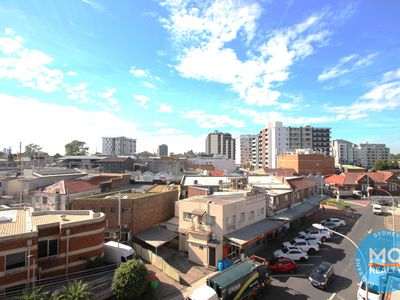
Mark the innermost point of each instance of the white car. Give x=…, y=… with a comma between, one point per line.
x=294, y=253
x=303, y=245
x=372, y=295
x=309, y=238
x=377, y=209
x=336, y=221
x=321, y=234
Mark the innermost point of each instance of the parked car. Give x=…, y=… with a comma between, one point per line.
x=330, y=225
x=282, y=265
x=337, y=221
x=294, y=253
x=309, y=238
x=384, y=202
x=321, y=234
x=373, y=294
x=322, y=275
x=303, y=245
x=377, y=209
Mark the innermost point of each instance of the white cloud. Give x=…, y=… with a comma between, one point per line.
x=160, y=124
x=72, y=73
x=95, y=5
x=166, y=131
x=142, y=100
x=149, y=85
x=202, y=33
x=165, y=108
x=205, y=120
x=347, y=64
x=139, y=72
x=108, y=95
x=382, y=96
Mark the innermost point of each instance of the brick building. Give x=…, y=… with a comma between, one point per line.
x=42, y=244
x=138, y=211
x=305, y=164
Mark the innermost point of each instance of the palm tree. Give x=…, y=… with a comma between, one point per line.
x=76, y=290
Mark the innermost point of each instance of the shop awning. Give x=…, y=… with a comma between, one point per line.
x=156, y=236
x=295, y=212
x=253, y=232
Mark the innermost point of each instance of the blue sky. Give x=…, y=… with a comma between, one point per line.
x=173, y=71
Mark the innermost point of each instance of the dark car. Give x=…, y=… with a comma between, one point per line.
x=384, y=202
x=322, y=275
x=282, y=265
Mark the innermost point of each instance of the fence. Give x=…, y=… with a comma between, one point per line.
x=157, y=261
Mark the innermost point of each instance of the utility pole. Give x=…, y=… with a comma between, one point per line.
x=22, y=173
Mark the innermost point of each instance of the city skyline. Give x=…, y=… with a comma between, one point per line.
x=171, y=72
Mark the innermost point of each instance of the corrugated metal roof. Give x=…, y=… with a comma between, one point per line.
x=295, y=212
x=157, y=236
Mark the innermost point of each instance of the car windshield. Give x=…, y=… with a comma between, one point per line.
x=371, y=289
x=284, y=249
x=292, y=242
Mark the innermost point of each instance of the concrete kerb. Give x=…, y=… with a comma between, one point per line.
x=186, y=291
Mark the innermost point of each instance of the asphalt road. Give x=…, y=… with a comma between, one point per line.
x=338, y=251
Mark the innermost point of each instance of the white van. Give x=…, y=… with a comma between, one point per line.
x=377, y=209
x=116, y=253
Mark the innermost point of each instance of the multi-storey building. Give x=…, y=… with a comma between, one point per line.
x=246, y=141
x=221, y=144
x=162, y=150
x=345, y=153
x=41, y=244
x=315, y=138
x=119, y=146
x=369, y=153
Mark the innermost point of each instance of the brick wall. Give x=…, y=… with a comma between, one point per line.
x=195, y=191
x=306, y=164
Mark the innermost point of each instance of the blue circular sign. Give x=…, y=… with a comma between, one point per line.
x=377, y=261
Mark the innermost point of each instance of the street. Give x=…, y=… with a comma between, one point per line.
x=337, y=251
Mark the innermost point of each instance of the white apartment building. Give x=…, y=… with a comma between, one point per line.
x=119, y=146
x=221, y=144
x=345, y=152
x=246, y=141
x=369, y=153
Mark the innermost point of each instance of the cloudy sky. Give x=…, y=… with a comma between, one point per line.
x=172, y=71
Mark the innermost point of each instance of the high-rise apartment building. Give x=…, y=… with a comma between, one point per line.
x=162, y=150
x=307, y=137
x=345, y=153
x=246, y=141
x=221, y=144
x=369, y=153
x=119, y=146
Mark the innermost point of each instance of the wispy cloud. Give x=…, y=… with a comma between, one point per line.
x=346, y=65
x=149, y=85
x=384, y=95
x=108, y=95
x=142, y=100
x=95, y=5
x=203, y=34
x=165, y=108
x=206, y=120
x=139, y=72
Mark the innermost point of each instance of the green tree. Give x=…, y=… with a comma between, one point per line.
x=34, y=294
x=76, y=148
x=381, y=165
x=76, y=290
x=393, y=164
x=32, y=150
x=130, y=280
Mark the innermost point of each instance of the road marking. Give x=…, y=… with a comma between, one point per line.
x=286, y=275
x=331, y=297
x=370, y=230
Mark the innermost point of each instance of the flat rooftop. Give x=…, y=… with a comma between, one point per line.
x=17, y=221
x=128, y=194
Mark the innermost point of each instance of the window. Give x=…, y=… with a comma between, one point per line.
x=277, y=201
x=187, y=216
x=262, y=211
x=47, y=248
x=45, y=200
x=241, y=220
x=15, y=260
x=201, y=247
x=126, y=209
x=251, y=215
x=219, y=181
x=195, y=182
x=286, y=198
x=212, y=220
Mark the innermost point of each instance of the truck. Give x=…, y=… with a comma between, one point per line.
x=243, y=280
x=116, y=253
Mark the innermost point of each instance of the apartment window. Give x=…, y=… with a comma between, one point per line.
x=45, y=200
x=126, y=209
x=195, y=181
x=251, y=215
x=15, y=260
x=187, y=216
x=47, y=248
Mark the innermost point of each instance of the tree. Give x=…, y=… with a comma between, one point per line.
x=381, y=165
x=76, y=290
x=76, y=148
x=32, y=150
x=130, y=280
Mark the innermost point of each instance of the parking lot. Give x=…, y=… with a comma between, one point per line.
x=337, y=250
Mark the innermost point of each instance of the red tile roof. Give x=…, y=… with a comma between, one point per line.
x=353, y=178
x=216, y=172
x=335, y=179
x=301, y=183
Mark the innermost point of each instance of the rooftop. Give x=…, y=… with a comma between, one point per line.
x=17, y=221
x=131, y=194
x=55, y=172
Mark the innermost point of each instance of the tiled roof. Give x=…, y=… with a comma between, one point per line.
x=301, y=183
x=353, y=178
x=335, y=179
x=216, y=172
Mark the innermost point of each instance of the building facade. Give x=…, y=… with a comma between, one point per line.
x=308, y=163
x=119, y=146
x=369, y=153
x=113, y=164
x=42, y=244
x=307, y=137
x=162, y=150
x=345, y=153
x=246, y=141
x=219, y=143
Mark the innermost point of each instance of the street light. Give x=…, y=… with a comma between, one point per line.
x=320, y=227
